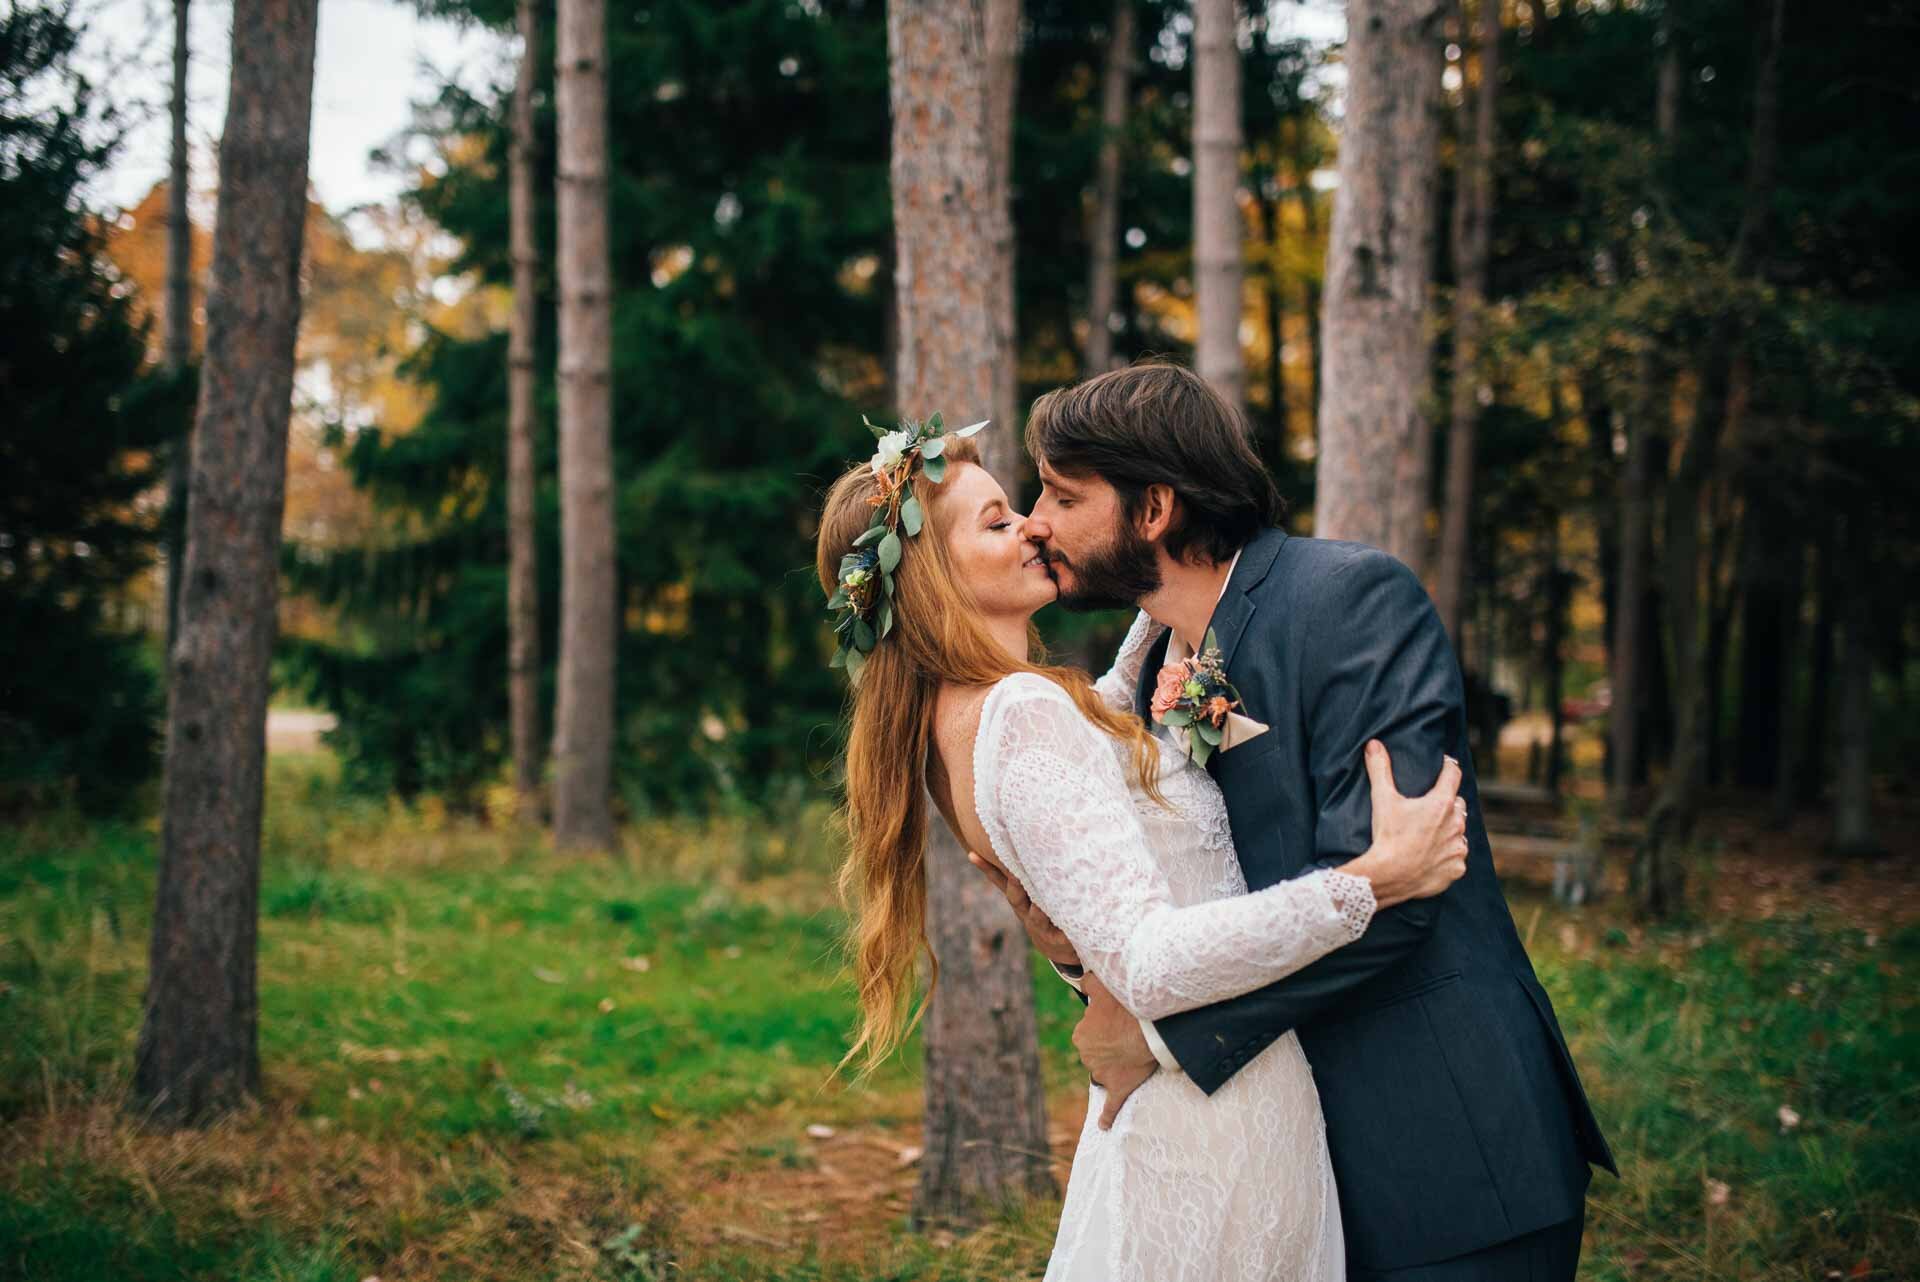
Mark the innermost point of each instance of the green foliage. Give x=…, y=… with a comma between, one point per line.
x=84, y=439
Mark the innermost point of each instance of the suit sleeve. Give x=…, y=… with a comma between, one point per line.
x=1376, y=665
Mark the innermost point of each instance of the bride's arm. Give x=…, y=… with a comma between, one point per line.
x=1060, y=798
x=1118, y=684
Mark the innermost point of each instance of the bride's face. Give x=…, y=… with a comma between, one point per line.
x=993, y=556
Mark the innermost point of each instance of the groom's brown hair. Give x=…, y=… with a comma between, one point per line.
x=1158, y=423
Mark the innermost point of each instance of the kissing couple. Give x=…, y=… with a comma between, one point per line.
x=1255, y=845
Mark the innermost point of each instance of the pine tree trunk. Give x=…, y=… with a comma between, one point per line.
x=523, y=582
x=176, y=317
x=1659, y=867
x=198, y=1052
x=1001, y=449
x=985, y=1107
x=1767, y=567
x=1472, y=236
x=1814, y=769
x=1853, y=833
x=1558, y=585
x=1793, y=654
x=1646, y=437
x=1374, y=433
x=589, y=584
x=1309, y=288
x=1216, y=214
x=1270, y=206
x=1103, y=233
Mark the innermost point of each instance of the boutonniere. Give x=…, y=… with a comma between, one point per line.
x=1198, y=705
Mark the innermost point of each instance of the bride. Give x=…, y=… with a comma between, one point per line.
x=1052, y=779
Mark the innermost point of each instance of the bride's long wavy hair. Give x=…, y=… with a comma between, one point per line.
x=937, y=638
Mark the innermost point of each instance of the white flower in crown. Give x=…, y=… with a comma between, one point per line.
x=893, y=448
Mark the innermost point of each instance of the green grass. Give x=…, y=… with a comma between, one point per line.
x=485, y=1061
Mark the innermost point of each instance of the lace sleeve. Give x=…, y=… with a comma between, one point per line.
x=1055, y=802
x=1116, y=686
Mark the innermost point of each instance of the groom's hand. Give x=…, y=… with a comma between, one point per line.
x=1047, y=937
x=1112, y=1047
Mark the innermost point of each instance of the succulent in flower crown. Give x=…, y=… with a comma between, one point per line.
x=863, y=597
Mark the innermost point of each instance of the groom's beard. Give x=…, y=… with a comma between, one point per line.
x=1114, y=577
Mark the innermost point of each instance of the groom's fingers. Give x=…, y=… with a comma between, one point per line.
x=1119, y=1086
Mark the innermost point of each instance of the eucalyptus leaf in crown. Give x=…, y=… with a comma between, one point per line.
x=863, y=598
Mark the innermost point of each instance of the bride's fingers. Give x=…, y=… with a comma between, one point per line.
x=994, y=875
x=1380, y=770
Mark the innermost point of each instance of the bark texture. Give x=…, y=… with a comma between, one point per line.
x=1646, y=438
x=589, y=588
x=523, y=582
x=1659, y=872
x=176, y=317
x=1853, y=832
x=198, y=1051
x=1001, y=447
x=1103, y=233
x=1472, y=238
x=1375, y=438
x=985, y=1109
x=1216, y=212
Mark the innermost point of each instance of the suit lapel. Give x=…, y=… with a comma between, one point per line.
x=1230, y=617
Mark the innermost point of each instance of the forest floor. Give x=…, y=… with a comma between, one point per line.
x=483, y=1062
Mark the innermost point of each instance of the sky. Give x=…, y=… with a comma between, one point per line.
x=374, y=59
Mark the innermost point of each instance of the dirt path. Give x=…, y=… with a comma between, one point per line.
x=296, y=729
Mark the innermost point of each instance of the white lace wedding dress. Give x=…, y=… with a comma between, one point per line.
x=1183, y=1188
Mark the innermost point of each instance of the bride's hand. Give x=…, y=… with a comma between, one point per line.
x=1419, y=843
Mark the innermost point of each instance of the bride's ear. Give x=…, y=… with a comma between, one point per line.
x=1158, y=508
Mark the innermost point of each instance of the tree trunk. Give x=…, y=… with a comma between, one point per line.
x=1270, y=206
x=1216, y=212
x=1659, y=871
x=589, y=582
x=1559, y=584
x=1472, y=237
x=985, y=1107
x=1002, y=452
x=1103, y=232
x=1826, y=618
x=1769, y=566
x=1309, y=288
x=176, y=318
x=198, y=1052
x=1374, y=433
x=1646, y=438
x=1793, y=654
x=1853, y=833
x=523, y=583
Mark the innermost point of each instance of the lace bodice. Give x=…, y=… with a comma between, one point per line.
x=1150, y=895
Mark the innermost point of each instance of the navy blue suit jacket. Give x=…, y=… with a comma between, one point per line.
x=1454, y=1114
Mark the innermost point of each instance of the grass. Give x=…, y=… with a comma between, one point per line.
x=483, y=1061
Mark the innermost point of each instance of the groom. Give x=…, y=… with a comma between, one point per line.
x=1460, y=1135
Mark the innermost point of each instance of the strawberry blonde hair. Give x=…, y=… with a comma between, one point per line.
x=937, y=638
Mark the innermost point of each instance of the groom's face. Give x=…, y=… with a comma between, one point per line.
x=1095, y=554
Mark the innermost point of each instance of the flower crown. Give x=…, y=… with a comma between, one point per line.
x=864, y=594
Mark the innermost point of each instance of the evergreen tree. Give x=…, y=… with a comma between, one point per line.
x=85, y=435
